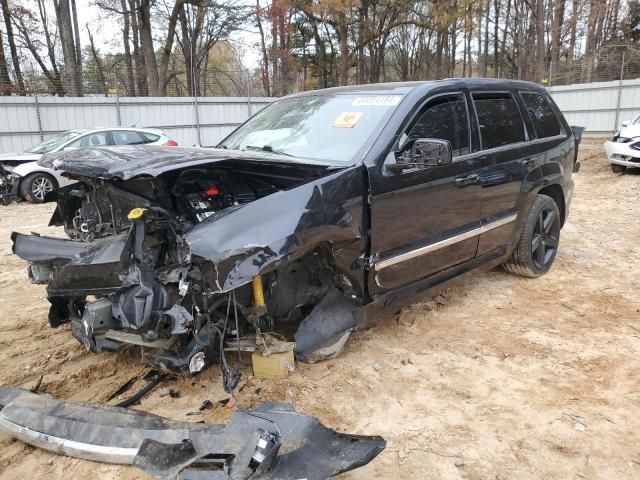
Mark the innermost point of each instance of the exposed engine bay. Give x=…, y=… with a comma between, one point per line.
x=182, y=266
x=193, y=195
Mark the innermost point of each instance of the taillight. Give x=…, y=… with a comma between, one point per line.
x=170, y=143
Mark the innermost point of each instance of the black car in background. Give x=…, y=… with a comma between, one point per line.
x=323, y=210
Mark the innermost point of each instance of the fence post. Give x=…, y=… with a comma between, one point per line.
x=617, y=120
x=248, y=96
x=118, y=115
x=38, y=117
x=197, y=116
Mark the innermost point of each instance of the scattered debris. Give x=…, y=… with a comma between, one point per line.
x=206, y=405
x=173, y=393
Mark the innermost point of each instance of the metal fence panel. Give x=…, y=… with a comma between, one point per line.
x=24, y=121
x=599, y=107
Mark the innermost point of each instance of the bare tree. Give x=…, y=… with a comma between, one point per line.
x=15, y=59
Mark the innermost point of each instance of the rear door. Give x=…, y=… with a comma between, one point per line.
x=426, y=220
x=505, y=161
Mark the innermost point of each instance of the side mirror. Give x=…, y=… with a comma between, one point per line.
x=69, y=148
x=425, y=152
x=625, y=123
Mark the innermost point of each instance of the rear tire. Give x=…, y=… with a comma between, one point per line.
x=538, y=243
x=615, y=168
x=34, y=187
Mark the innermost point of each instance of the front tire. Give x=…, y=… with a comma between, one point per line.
x=538, y=243
x=36, y=186
x=615, y=168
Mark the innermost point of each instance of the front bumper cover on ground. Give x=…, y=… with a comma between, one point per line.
x=170, y=449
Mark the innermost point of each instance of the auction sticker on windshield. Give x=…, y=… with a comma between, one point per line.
x=377, y=101
x=347, y=119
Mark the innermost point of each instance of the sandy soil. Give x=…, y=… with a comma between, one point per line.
x=501, y=377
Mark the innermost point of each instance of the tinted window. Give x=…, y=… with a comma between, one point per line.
x=126, y=137
x=444, y=119
x=544, y=120
x=500, y=120
x=93, y=140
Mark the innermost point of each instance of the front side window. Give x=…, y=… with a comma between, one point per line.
x=499, y=119
x=444, y=118
x=93, y=140
x=544, y=120
x=332, y=128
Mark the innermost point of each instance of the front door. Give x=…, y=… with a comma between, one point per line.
x=426, y=220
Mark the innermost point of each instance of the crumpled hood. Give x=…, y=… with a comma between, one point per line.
x=18, y=158
x=631, y=131
x=125, y=162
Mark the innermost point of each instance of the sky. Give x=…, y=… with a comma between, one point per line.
x=107, y=33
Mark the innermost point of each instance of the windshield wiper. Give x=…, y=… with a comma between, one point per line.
x=267, y=148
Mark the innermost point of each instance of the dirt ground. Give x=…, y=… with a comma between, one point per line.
x=502, y=377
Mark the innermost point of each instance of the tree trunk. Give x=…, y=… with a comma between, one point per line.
x=263, y=47
x=146, y=45
x=589, y=53
x=76, y=34
x=571, y=55
x=142, y=86
x=131, y=82
x=15, y=59
x=5, y=82
x=99, y=67
x=540, y=48
x=65, y=30
x=558, y=17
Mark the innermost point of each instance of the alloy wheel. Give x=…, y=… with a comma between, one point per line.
x=544, y=241
x=41, y=186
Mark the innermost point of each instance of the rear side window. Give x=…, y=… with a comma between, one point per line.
x=127, y=137
x=544, y=120
x=499, y=119
x=150, y=137
x=444, y=118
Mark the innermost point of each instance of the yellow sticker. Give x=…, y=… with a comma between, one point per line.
x=347, y=119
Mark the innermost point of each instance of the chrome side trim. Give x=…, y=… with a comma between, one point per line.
x=444, y=243
x=86, y=451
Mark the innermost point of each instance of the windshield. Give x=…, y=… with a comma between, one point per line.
x=52, y=143
x=319, y=127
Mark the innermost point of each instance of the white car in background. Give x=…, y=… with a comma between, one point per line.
x=21, y=176
x=623, y=150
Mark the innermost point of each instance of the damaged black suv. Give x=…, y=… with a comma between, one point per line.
x=323, y=210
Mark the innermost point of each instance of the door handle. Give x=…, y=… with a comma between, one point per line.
x=530, y=162
x=467, y=180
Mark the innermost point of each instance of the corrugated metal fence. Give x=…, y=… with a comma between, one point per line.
x=25, y=121
x=599, y=107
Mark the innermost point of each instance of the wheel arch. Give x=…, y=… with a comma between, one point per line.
x=557, y=194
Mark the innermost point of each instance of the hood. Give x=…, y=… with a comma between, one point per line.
x=631, y=131
x=126, y=162
x=13, y=159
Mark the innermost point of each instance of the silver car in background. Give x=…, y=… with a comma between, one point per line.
x=623, y=150
x=21, y=176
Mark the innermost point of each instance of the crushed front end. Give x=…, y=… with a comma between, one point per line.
x=8, y=184
x=180, y=263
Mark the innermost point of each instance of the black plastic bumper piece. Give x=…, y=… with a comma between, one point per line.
x=169, y=449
